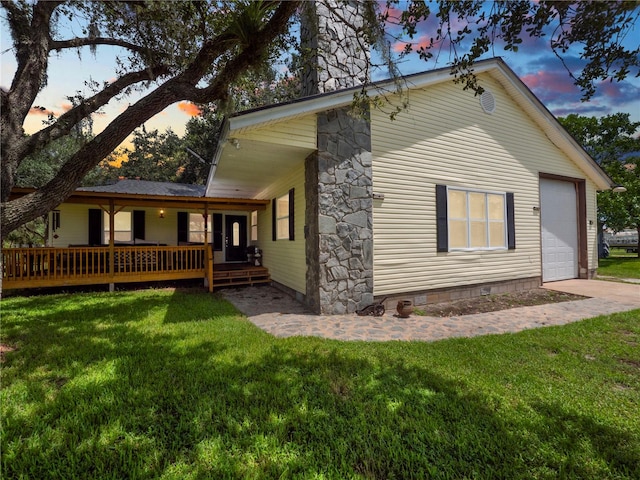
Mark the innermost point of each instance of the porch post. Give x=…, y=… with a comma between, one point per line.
x=208, y=254
x=112, y=260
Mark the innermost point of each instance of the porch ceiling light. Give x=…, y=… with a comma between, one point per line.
x=619, y=189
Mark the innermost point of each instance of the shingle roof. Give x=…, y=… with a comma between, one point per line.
x=144, y=187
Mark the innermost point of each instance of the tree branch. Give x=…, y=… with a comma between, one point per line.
x=69, y=119
x=83, y=42
x=178, y=88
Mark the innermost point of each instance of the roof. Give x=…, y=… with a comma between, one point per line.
x=144, y=187
x=142, y=193
x=496, y=67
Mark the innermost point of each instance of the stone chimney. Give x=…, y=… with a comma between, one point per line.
x=335, y=50
x=338, y=176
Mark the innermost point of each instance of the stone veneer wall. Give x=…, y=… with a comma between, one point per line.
x=338, y=55
x=338, y=177
x=339, y=215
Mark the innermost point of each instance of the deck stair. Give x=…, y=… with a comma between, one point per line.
x=228, y=275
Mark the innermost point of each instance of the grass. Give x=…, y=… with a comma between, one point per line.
x=620, y=264
x=177, y=385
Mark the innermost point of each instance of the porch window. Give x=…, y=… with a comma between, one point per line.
x=474, y=220
x=122, y=227
x=196, y=228
x=283, y=216
x=254, y=226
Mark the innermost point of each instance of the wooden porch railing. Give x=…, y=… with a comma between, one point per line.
x=51, y=267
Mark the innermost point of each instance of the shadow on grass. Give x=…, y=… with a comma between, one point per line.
x=112, y=394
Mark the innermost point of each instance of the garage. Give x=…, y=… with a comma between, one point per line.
x=559, y=222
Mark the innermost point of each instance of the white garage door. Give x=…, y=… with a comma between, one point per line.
x=559, y=217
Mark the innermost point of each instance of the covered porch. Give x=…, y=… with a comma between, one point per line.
x=110, y=260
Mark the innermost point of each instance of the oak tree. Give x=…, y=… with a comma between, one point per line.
x=200, y=51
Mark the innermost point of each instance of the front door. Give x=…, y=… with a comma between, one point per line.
x=235, y=238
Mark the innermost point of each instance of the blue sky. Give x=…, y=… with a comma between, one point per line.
x=535, y=63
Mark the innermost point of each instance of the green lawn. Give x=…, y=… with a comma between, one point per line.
x=620, y=264
x=176, y=385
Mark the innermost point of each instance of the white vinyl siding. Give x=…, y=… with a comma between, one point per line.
x=285, y=260
x=445, y=138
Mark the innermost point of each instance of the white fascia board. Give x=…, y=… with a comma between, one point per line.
x=281, y=112
x=216, y=157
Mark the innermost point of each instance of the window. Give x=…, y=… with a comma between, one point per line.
x=474, y=220
x=122, y=231
x=254, y=226
x=283, y=217
x=197, y=227
x=55, y=220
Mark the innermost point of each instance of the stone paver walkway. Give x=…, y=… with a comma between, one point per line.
x=280, y=315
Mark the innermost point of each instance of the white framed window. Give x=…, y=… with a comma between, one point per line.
x=477, y=220
x=122, y=227
x=254, y=226
x=196, y=228
x=282, y=217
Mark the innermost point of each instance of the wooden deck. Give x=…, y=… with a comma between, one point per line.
x=58, y=267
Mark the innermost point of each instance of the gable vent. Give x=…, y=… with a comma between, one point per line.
x=488, y=102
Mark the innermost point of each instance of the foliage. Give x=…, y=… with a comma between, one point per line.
x=162, y=384
x=201, y=138
x=614, y=142
x=31, y=234
x=608, y=139
x=471, y=29
x=155, y=156
x=622, y=210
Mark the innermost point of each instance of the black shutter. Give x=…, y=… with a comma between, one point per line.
x=442, y=229
x=274, y=221
x=217, y=231
x=95, y=227
x=138, y=225
x=183, y=227
x=511, y=223
x=292, y=229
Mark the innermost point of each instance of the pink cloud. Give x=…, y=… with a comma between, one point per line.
x=37, y=110
x=550, y=81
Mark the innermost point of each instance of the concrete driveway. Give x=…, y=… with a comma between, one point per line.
x=626, y=293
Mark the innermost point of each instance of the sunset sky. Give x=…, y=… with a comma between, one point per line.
x=535, y=63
